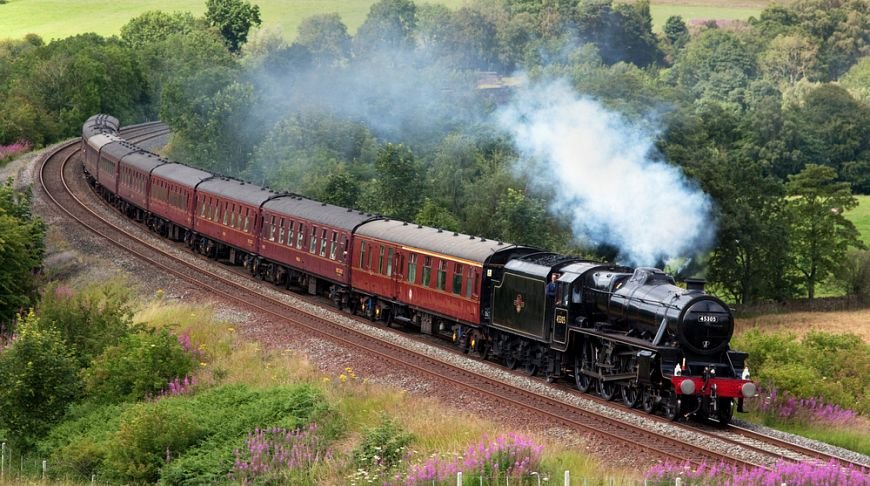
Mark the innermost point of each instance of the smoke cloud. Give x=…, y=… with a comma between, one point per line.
x=606, y=174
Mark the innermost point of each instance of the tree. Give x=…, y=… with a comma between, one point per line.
x=326, y=38
x=857, y=81
x=789, y=58
x=21, y=249
x=436, y=216
x=38, y=381
x=398, y=184
x=233, y=19
x=831, y=128
x=717, y=65
x=389, y=25
x=340, y=189
x=155, y=26
x=819, y=232
x=676, y=32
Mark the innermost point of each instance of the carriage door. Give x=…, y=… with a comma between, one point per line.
x=393, y=272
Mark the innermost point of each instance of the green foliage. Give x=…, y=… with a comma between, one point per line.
x=820, y=233
x=382, y=448
x=88, y=321
x=397, y=189
x=128, y=442
x=140, y=365
x=835, y=367
x=326, y=37
x=854, y=274
x=21, y=249
x=390, y=24
x=233, y=19
x=146, y=439
x=38, y=381
x=156, y=26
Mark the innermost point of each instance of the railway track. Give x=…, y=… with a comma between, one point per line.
x=59, y=172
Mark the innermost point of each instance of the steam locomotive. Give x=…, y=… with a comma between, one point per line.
x=621, y=332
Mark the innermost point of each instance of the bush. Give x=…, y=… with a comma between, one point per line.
x=149, y=435
x=38, y=381
x=382, y=449
x=835, y=367
x=228, y=413
x=140, y=365
x=89, y=321
x=854, y=277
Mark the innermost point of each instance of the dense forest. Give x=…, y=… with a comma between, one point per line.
x=729, y=151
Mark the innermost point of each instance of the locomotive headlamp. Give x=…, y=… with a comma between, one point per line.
x=687, y=387
x=748, y=390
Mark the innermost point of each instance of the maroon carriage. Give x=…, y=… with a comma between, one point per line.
x=109, y=163
x=98, y=131
x=421, y=274
x=307, y=243
x=226, y=220
x=134, y=182
x=171, y=203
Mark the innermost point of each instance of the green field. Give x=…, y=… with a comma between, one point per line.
x=860, y=216
x=56, y=19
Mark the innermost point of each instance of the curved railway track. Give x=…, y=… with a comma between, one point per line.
x=58, y=169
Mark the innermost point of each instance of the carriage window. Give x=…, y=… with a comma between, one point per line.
x=427, y=270
x=202, y=207
x=301, y=237
x=247, y=221
x=272, y=229
x=225, y=215
x=334, y=246
x=412, y=267
x=362, y=253
x=469, y=282
x=442, y=274
x=323, y=242
x=290, y=233
x=457, y=278
x=381, y=260
x=312, y=243
x=281, y=232
x=390, y=262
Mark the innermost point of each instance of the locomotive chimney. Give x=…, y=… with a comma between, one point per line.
x=695, y=284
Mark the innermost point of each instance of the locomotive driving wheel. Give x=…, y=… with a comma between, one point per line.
x=607, y=389
x=648, y=400
x=583, y=360
x=631, y=395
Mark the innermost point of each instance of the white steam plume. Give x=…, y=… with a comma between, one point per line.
x=602, y=172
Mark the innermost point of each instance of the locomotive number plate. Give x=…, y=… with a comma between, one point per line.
x=708, y=318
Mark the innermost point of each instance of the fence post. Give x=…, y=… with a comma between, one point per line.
x=2, y=460
x=567, y=481
x=44, y=464
x=459, y=478
x=678, y=482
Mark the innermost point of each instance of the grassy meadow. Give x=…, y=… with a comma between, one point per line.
x=860, y=217
x=53, y=19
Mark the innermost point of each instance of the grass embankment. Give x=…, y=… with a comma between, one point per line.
x=195, y=434
x=57, y=20
x=823, y=358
